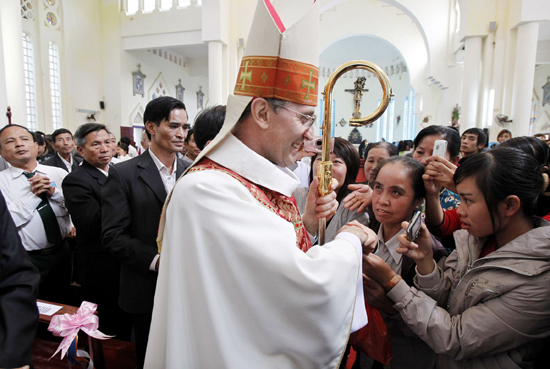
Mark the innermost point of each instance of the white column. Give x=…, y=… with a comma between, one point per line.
x=524, y=74
x=471, y=81
x=215, y=72
x=14, y=79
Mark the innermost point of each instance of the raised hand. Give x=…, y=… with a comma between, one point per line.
x=441, y=171
x=359, y=199
x=420, y=251
x=318, y=207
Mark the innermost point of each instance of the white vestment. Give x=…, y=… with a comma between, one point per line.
x=233, y=289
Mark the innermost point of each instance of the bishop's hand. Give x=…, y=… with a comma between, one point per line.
x=318, y=207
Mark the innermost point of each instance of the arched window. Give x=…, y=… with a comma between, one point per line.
x=406, y=119
x=378, y=127
x=30, y=82
x=166, y=5
x=132, y=7
x=148, y=6
x=55, y=84
x=391, y=119
x=411, y=116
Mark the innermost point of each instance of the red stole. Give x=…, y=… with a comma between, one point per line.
x=283, y=206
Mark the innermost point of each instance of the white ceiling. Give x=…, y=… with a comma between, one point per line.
x=364, y=47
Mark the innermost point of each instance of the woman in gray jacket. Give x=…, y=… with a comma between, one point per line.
x=489, y=305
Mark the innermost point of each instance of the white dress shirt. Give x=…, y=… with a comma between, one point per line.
x=68, y=164
x=22, y=204
x=168, y=179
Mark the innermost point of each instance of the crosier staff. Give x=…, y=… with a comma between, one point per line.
x=324, y=169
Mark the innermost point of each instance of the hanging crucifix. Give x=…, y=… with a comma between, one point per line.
x=8, y=114
x=358, y=95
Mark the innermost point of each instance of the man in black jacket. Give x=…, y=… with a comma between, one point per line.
x=97, y=270
x=132, y=199
x=64, y=144
x=19, y=280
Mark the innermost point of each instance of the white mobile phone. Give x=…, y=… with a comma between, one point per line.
x=440, y=148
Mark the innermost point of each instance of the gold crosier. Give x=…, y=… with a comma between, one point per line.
x=324, y=169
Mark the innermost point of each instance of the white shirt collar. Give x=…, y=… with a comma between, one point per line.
x=235, y=155
x=69, y=163
x=391, y=245
x=159, y=164
x=16, y=172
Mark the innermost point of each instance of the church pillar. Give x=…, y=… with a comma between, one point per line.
x=13, y=92
x=524, y=74
x=215, y=58
x=471, y=84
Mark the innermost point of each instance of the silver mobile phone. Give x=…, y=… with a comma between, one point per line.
x=414, y=226
x=440, y=148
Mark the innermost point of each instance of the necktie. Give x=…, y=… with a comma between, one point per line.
x=49, y=220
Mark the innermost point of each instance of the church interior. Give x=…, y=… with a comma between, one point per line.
x=464, y=63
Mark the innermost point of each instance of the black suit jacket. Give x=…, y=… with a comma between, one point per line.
x=132, y=199
x=95, y=265
x=19, y=280
x=55, y=161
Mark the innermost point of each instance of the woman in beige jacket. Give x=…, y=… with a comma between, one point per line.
x=488, y=306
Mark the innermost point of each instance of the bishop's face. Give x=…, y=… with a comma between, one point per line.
x=287, y=132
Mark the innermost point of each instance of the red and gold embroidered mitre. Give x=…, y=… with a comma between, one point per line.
x=279, y=62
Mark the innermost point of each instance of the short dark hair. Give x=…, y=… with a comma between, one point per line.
x=60, y=131
x=502, y=172
x=189, y=134
x=275, y=104
x=481, y=136
x=159, y=109
x=126, y=140
x=349, y=154
x=390, y=148
x=85, y=129
x=415, y=170
x=17, y=125
x=446, y=133
x=207, y=125
x=123, y=146
x=40, y=140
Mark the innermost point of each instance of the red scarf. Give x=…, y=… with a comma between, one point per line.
x=283, y=206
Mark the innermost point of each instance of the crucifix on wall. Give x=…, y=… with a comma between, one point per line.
x=358, y=95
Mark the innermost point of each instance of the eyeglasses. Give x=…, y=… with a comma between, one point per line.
x=306, y=120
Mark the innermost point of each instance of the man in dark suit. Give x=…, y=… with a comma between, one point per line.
x=64, y=144
x=97, y=270
x=132, y=199
x=19, y=280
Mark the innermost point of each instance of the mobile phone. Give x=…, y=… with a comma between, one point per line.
x=414, y=226
x=440, y=148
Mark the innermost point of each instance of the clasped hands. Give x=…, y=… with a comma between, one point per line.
x=41, y=185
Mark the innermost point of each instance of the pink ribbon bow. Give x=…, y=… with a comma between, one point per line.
x=68, y=325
